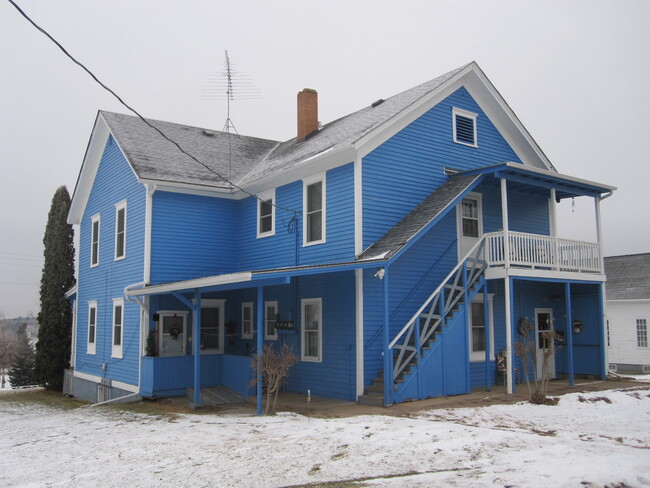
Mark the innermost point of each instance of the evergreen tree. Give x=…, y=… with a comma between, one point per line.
x=55, y=317
x=22, y=370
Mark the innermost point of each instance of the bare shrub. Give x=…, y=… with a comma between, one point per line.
x=526, y=351
x=275, y=365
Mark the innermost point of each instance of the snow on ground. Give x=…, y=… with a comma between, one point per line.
x=596, y=439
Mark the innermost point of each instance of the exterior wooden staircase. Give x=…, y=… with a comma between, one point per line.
x=425, y=331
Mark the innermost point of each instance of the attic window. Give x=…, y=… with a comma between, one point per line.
x=464, y=127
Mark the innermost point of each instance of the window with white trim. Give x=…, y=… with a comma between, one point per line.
x=212, y=326
x=477, y=328
x=173, y=332
x=311, y=337
x=266, y=214
x=118, y=327
x=464, y=127
x=270, y=319
x=92, y=327
x=120, y=230
x=314, y=210
x=641, y=333
x=94, y=241
x=247, y=324
x=470, y=222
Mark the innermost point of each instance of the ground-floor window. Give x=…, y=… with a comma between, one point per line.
x=212, y=326
x=270, y=319
x=247, y=325
x=641, y=333
x=92, y=327
x=173, y=333
x=311, y=340
x=477, y=322
x=118, y=328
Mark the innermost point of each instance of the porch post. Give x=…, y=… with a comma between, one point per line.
x=388, y=359
x=260, y=343
x=468, y=311
x=509, y=365
x=599, y=235
x=196, y=346
x=486, y=314
x=504, y=218
x=569, y=330
x=603, y=331
x=553, y=228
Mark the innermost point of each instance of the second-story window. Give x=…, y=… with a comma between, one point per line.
x=120, y=230
x=314, y=210
x=266, y=214
x=94, y=241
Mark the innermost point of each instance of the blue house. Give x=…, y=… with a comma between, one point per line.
x=397, y=249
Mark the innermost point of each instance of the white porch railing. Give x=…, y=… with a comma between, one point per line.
x=545, y=252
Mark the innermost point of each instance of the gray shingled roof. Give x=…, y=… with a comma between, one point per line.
x=628, y=277
x=154, y=158
x=432, y=207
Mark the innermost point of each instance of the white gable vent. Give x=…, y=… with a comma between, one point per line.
x=464, y=127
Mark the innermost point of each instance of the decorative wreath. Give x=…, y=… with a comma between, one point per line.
x=175, y=331
x=524, y=326
x=577, y=326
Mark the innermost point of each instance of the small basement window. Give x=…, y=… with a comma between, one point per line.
x=464, y=127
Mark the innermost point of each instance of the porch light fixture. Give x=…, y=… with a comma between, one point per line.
x=577, y=326
x=380, y=273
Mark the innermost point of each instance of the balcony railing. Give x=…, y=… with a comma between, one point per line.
x=542, y=252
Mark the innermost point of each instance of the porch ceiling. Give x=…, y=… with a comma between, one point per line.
x=565, y=186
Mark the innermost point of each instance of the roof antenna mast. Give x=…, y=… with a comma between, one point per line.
x=222, y=84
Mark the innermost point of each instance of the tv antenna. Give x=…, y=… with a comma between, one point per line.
x=230, y=84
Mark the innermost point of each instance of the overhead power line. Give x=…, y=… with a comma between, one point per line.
x=119, y=99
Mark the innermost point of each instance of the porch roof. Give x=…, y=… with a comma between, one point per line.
x=565, y=186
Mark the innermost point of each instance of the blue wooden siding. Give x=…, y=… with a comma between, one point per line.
x=114, y=182
x=404, y=170
x=192, y=236
x=285, y=248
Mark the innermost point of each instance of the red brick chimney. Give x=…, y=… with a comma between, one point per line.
x=307, y=112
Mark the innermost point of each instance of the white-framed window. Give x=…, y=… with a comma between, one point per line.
x=120, y=230
x=266, y=214
x=173, y=332
x=212, y=326
x=247, y=324
x=608, y=340
x=92, y=327
x=313, y=204
x=641, y=333
x=470, y=217
x=464, y=127
x=94, y=240
x=476, y=325
x=118, y=327
x=270, y=319
x=311, y=337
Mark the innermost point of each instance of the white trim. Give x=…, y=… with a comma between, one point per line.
x=193, y=189
x=500, y=273
x=455, y=112
x=91, y=348
x=148, y=219
x=538, y=352
x=459, y=221
x=479, y=356
x=558, y=176
x=358, y=275
x=303, y=303
x=117, y=351
x=220, y=304
x=73, y=348
x=358, y=206
x=170, y=313
x=306, y=182
x=264, y=197
x=97, y=379
x=251, y=307
x=120, y=206
x=552, y=214
x=267, y=336
x=224, y=279
x=93, y=219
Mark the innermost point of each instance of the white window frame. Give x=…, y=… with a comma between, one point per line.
x=642, y=333
x=251, y=331
x=92, y=346
x=479, y=356
x=170, y=313
x=319, y=178
x=264, y=197
x=470, y=115
x=303, y=303
x=94, y=239
x=118, y=207
x=117, y=350
x=267, y=320
x=219, y=304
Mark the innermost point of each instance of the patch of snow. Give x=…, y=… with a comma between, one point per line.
x=596, y=439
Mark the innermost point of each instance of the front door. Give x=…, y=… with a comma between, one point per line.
x=544, y=342
x=469, y=216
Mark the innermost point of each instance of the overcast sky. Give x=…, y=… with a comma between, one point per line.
x=575, y=73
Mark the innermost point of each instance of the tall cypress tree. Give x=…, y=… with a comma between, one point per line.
x=55, y=317
x=22, y=370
